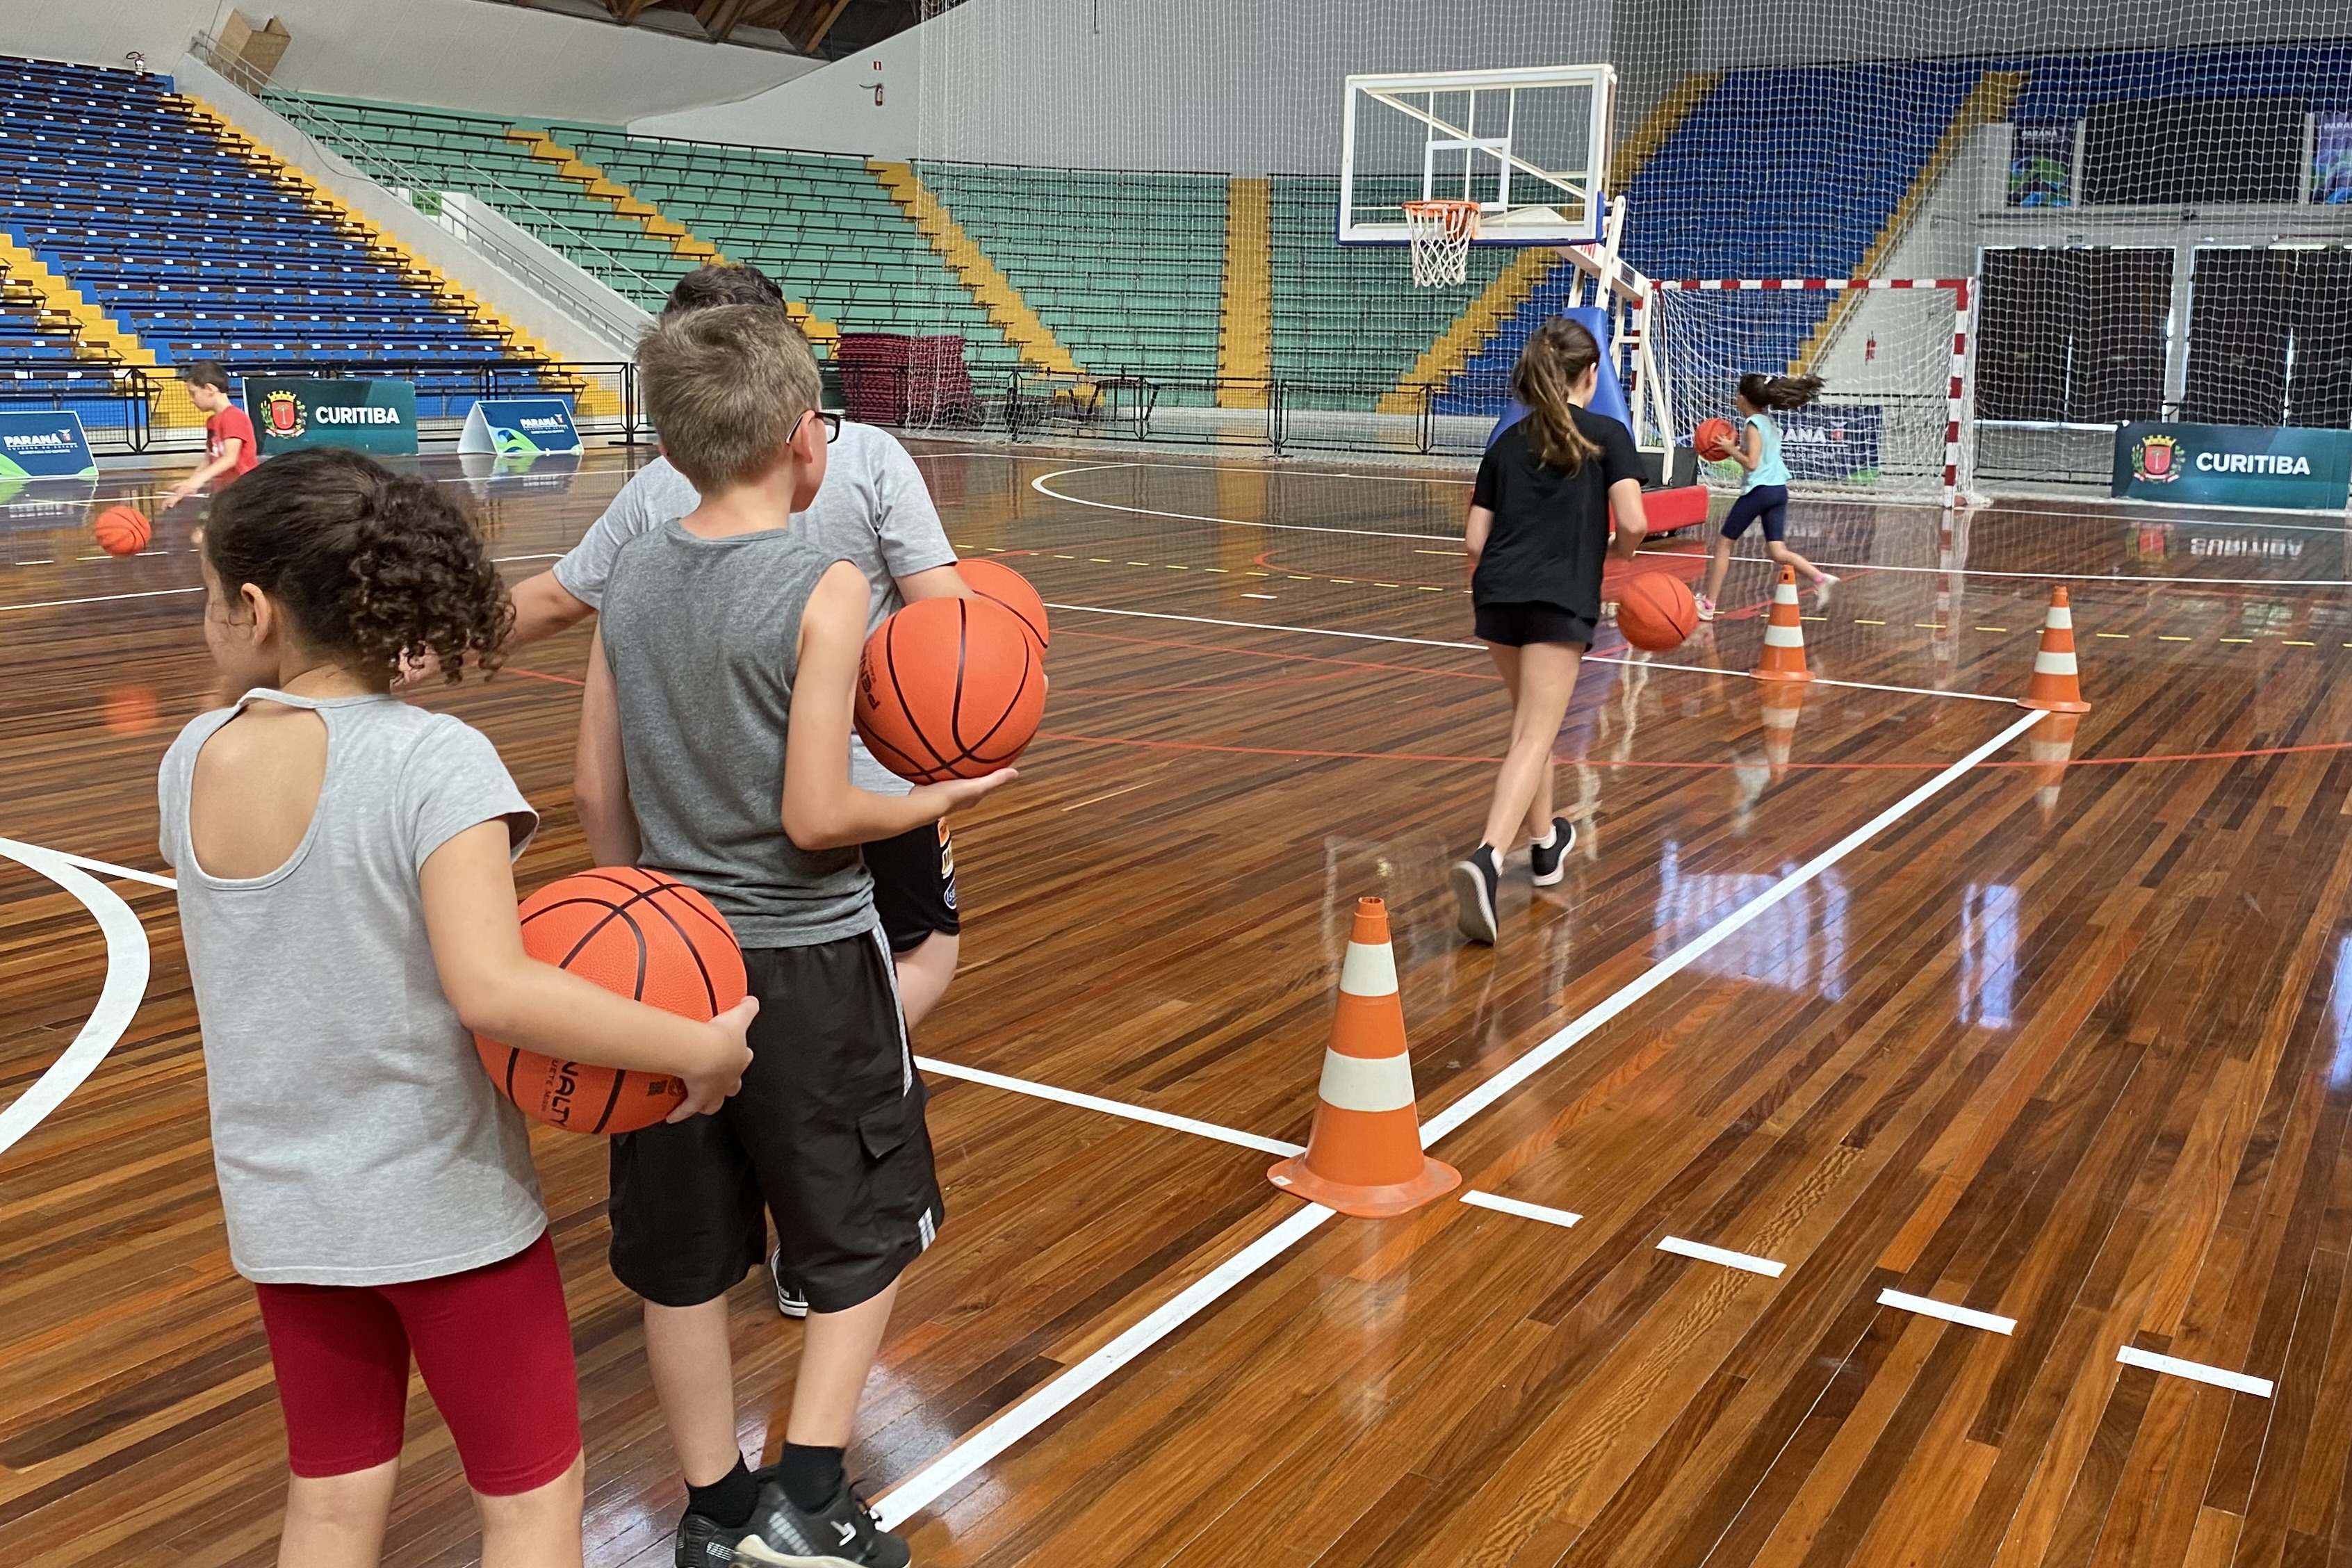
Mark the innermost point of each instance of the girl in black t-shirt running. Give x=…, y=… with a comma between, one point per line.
x=1538, y=532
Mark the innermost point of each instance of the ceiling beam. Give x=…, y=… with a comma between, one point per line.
x=719, y=17
x=821, y=16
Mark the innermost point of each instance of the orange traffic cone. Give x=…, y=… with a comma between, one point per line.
x=1364, y=1155
x=1784, y=636
x=2056, y=688
x=1782, y=701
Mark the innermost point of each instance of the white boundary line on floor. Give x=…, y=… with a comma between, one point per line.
x=934, y=1480
x=2196, y=1371
x=1278, y=469
x=2109, y=578
x=1928, y=1307
x=1108, y=1106
x=108, y=869
x=198, y=588
x=1481, y=647
x=1038, y=484
x=1746, y=1261
x=1017, y=1420
x=1564, y=1218
x=1691, y=951
x=118, y=998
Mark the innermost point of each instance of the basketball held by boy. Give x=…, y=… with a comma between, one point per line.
x=348, y=904
x=715, y=748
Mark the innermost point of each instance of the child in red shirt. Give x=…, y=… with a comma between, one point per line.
x=229, y=447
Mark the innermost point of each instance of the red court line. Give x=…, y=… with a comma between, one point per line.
x=537, y=675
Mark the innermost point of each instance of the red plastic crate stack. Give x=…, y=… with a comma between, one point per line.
x=891, y=379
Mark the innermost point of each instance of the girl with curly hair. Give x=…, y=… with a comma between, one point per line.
x=348, y=905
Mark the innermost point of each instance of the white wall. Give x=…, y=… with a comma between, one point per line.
x=1224, y=86
x=1794, y=32
x=457, y=54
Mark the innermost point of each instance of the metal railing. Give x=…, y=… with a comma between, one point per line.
x=402, y=180
x=116, y=402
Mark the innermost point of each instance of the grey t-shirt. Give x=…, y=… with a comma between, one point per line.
x=355, y=1135
x=873, y=511
x=706, y=698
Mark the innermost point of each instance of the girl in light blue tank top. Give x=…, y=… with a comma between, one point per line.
x=1764, y=496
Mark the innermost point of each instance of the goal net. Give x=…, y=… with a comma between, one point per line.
x=1891, y=419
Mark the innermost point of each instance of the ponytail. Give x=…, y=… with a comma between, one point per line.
x=373, y=568
x=1778, y=393
x=1557, y=356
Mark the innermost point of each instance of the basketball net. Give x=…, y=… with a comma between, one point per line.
x=1440, y=234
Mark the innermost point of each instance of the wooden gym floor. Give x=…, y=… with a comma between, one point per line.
x=2068, y=1048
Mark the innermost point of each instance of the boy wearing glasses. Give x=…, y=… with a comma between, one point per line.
x=714, y=747
x=873, y=511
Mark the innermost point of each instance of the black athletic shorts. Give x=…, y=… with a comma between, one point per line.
x=826, y=1138
x=914, y=886
x=1516, y=622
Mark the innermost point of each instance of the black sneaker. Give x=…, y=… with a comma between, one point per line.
x=1474, y=883
x=1544, y=862
x=789, y=1300
x=841, y=1534
x=704, y=1542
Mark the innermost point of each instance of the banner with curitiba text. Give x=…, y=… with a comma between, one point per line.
x=290, y=412
x=2234, y=464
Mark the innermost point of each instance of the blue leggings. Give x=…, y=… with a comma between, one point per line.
x=1769, y=502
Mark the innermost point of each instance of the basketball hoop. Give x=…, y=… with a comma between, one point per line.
x=1440, y=234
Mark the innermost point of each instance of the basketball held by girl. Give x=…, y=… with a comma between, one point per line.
x=1538, y=532
x=347, y=898
x=1764, y=498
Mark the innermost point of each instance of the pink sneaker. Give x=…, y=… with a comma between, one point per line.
x=1706, y=606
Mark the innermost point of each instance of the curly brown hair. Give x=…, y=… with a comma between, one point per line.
x=373, y=568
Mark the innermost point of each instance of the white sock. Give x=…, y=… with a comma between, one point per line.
x=1551, y=835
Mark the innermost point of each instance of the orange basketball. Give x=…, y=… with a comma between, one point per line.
x=123, y=531
x=642, y=935
x=994, y=580
x=1655, y=611
x=1714, y=438
x=949, y=688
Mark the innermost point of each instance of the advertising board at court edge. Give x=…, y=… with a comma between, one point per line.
x=292, y=412
x=2233, y=465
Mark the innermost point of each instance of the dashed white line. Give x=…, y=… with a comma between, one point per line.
x=1722, y=1255
x=1561, y=1217
x=2196, y=1370
x=1928, y=1307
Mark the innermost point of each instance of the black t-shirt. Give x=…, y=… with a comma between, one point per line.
x=1551, y=527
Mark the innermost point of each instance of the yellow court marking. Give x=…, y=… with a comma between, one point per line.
x=2161, y=638
x=1926, y=626
x=2292, y=643
x=1993, y=629
x=1813, y=617
x=2237, y=639
x=1862, y=623
x=1218, y=570
x=2119, y=637
x=1438, y=553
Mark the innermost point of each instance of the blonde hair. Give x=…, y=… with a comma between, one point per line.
x=1557, y=354
x=725, y=388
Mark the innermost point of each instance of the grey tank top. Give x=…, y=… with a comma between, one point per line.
x=702, y=637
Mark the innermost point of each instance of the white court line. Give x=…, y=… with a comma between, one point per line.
x=102, y=598
x=924, y=1486
x=1691, y=951
x=1722, y=1255
x=117, y=997
x=1015, y=1422
x=1620, y=659
x=1108, y=1106
x=1277, y=468
x=1561, y=1217
x=2195, y=1370
x=1038, y=484
x=1928, y=1307
x=108, y=869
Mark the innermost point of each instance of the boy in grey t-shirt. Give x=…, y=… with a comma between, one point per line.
x=715, y=747
x=874, y=511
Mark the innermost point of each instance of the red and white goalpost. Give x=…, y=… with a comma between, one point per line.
x=1893, y=420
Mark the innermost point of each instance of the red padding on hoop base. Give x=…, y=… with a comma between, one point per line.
x=1682, y=507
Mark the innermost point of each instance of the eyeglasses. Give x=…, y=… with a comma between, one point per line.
x=832, y=423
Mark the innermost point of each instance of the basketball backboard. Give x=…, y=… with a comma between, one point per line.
x=1530, y=145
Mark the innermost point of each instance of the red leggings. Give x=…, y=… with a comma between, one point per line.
x=495, y=1346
